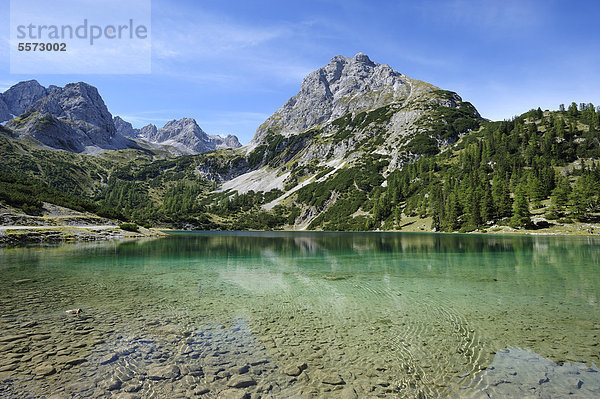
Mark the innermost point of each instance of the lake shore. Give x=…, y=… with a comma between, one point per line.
x=18, y=235
x=27, y=234
x=15, y=235
x=59, y=224
x=423, y=225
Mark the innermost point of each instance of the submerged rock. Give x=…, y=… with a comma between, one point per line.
x=233, y=394
x=239, y=369
x=517, y=372
x=329, y=377
x=348, y=393
x=11, y=338
x=163, y=373
x=294, y=369
x=44, y=370
x=241, y=381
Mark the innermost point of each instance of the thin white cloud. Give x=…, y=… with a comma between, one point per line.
x=232, y=118
x=157, y=117
x=5, y=85
x=508, y=16
x=245, y=70
x=424, y=60
x=215, y=49
x=140, y=121
x=207, y=36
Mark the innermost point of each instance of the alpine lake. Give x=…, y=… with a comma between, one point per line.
x=306, y=315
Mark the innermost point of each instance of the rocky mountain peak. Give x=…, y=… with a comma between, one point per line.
x=185, y=127
x=125, y=128
x=363, y=58
x=148, y=131
x=82, y=105
x=229, y=141
x=73, y=118
x=20, y=97
x=185, y=135
x=344, y=85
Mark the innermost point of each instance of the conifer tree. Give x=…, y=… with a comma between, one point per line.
x=501, y=197
x=521, y=215
x=487, y=205
x=560, y=194
x=397, y=216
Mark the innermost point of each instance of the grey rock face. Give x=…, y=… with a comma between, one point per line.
x=4, y=112
x=230, y=141
x=125, y=128
x=55, y=133
x=22, y=96
x=184, y=134
x=344, y=85
x=185, y=128
x=80, y=104
x=73, y=118
x=147, y=131
x=187, y=136
x=345, y=110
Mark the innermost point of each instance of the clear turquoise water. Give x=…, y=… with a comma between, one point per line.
x=363, y=315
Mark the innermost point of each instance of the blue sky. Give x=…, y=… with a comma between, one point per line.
x=230, y=64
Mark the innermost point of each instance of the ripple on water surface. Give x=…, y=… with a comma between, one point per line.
x=278, y=315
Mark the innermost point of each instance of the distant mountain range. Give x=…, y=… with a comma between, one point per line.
x=75, y=118
x=184, y=135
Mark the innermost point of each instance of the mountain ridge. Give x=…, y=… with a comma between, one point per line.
x=75, y=118
x=18, y=98
x=406, y=155
x=344, y=85
x=183, y=135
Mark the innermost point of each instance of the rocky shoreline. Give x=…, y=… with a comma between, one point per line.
x=59, y=224
x=15, y=235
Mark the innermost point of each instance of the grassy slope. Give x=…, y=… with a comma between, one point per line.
x=178, y=192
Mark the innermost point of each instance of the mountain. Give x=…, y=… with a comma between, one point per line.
x=72, y=118
x=359, y=147
x=184, y=135
x=148, y=131
x=349, y=112
x=4, y=111
x=351, y=86
x=20, y=97
x=187, y=136
x=229, y=141
x=75, y=118
x=125, y=128
x=352, y=117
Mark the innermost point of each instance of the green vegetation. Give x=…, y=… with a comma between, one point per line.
x=499, y=175
x=348, y=124
x=279, y=149
x=536, y=169
x=6, y=131
x=29, y=195
x=129, y=227
x=350, y=188
x=423, y=144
